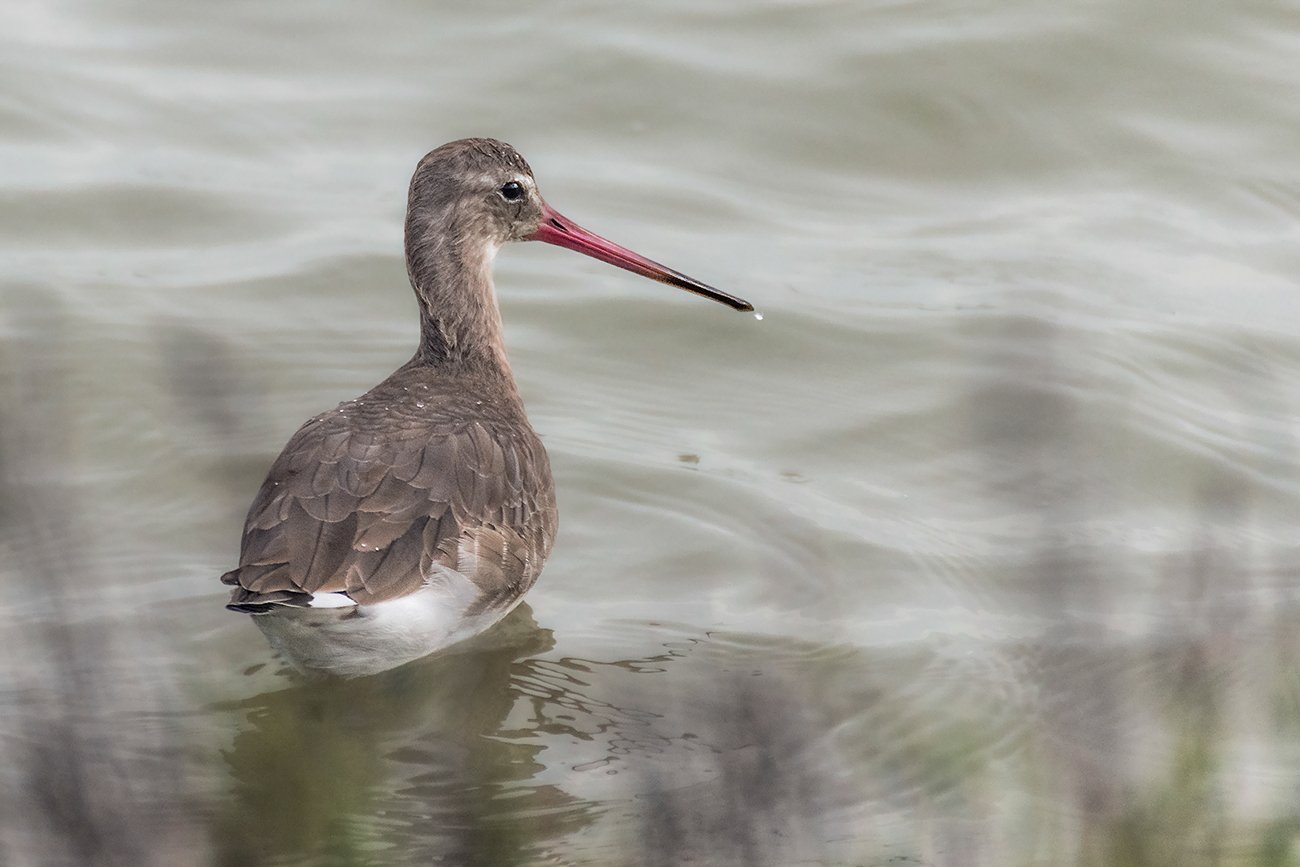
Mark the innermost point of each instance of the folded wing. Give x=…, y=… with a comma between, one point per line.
x=374, y=515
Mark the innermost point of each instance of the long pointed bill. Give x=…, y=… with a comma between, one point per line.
x=563, y=232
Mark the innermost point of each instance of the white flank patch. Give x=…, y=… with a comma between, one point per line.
x=383, y=635
x=331, y=600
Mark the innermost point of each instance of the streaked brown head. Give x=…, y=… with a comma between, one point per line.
x=476, y=194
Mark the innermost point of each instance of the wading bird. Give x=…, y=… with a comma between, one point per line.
x=419, y=514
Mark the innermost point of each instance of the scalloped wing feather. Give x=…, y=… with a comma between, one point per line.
x=348, y=510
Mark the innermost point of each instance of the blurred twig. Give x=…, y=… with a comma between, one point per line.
x=93, y=776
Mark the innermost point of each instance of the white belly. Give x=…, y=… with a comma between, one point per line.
x=352, y=640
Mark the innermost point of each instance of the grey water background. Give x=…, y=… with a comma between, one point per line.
x=978, y=550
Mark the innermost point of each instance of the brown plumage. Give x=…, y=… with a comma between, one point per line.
x=366, y=497
x=432, y=486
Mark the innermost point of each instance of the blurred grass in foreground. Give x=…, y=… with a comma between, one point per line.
x=107, y=757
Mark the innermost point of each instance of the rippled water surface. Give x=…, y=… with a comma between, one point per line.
x=977, y=549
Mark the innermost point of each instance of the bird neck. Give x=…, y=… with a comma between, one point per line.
x=460, y=322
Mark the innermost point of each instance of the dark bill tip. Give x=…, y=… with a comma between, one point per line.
x=563, y=232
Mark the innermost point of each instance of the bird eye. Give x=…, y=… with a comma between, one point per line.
x=512, y=191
